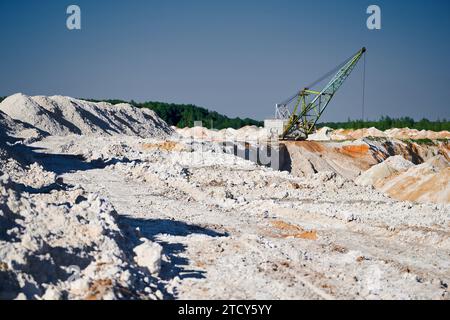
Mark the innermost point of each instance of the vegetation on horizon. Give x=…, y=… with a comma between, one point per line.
x=386, y=123
x=184, y=115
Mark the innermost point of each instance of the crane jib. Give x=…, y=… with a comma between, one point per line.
x=310, y=104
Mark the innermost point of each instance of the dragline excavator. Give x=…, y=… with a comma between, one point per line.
x=310, y=104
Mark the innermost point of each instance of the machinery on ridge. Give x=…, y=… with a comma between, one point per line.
x=310, y=104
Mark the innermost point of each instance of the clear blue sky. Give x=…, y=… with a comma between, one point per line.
x=238, y=57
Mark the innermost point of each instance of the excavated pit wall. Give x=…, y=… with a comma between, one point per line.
x=348, y=159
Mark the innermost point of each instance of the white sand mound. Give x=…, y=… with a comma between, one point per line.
x=323, y=134
x=350, y=134
x=246, y=133
x=396, y=133
x=406, y=133
x=23, y=108
x=58, y=241
x=439, y=162
x=427, y=182
x=402, y=180
x=373, y=132
x=382, y=170
x=197, y=133
x=58, y=115
x=8, y=124
x=47, y=238
x=10, y=129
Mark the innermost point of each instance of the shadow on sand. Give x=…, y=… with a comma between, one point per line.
x=176, y=265
x=59, y=163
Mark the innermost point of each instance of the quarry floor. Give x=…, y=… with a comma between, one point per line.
x=233, y=230
x=102, y=201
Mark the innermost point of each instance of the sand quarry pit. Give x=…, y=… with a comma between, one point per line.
x=108, y=202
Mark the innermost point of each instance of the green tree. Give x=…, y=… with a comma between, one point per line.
x=385, y=123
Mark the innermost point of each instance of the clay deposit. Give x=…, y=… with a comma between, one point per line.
x=95, y=209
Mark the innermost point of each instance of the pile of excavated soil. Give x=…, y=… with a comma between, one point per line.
x=9, y=125
x=384, y=169
x=251, y=133
x=247, y=133
x=61, y=242
x=342, y=134
x=58, y=115
x=323, y=134
x=10, y=129
x=401, y=134
x=403, y=180
x=403, y=171
x=406, y=133
x=427, y=182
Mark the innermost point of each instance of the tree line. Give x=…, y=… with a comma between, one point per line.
x=184, y=115
x=385, y=123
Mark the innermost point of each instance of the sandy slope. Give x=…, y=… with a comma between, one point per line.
x=58, y=115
